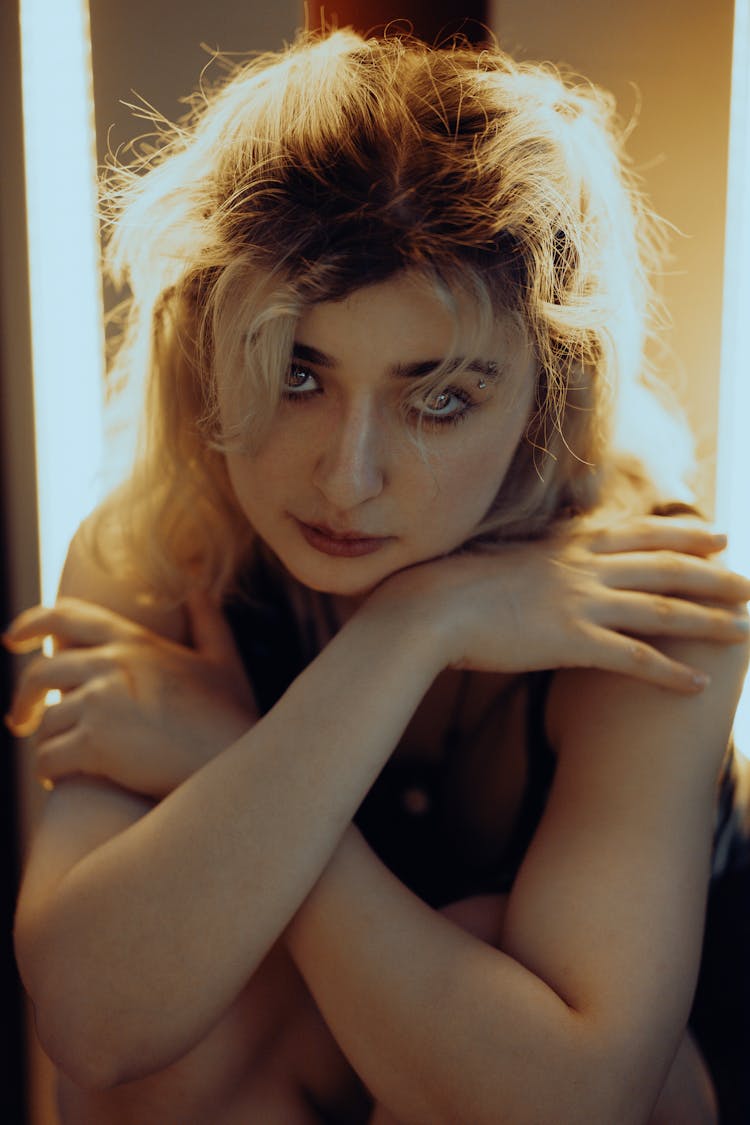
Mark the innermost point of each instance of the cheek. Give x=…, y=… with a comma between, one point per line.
x=474, y=475
x=254, y=480
x=275, y=464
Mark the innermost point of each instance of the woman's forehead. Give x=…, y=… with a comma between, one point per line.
x=413, y=315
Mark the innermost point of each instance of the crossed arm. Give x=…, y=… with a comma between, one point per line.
x=599, y=948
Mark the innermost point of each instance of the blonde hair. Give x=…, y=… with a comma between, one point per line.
x=340, y=162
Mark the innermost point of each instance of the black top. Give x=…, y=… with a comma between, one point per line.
x=405, y=816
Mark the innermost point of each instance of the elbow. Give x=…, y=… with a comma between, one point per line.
x=74, y=1028
x=84, y=1050
x=74, y=1044
x=84, y=1062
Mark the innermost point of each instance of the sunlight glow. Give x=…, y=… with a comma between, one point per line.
x=66, y=299
x=733, y=469
x=67, y=332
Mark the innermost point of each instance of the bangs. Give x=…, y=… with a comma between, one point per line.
x=248, y=337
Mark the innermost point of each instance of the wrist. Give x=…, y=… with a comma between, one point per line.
x=411, y=609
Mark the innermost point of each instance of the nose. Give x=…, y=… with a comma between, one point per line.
x=351, y=466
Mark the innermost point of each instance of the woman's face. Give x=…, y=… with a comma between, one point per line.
x=339, y=488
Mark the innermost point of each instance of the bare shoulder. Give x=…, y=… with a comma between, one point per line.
x=84, y=577
x=588, y=708
x=82, y=813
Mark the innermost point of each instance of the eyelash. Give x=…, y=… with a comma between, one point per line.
x=298, y=395
x=460, y=415
x=421, y=418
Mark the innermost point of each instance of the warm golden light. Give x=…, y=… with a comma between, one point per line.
x=66, y=303
x=733, y=473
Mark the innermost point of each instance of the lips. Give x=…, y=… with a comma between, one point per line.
x=341, y=544
x=331, y=532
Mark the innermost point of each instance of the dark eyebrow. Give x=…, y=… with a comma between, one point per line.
x=415, y=370
x=312, y=355
x=400, y=370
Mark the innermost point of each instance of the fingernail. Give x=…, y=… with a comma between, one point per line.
x=700, y=680
x=719, y=538
x=742, y=624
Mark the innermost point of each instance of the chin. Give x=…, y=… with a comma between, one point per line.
x=345, y=578
x=342, y=577
x=341, y=587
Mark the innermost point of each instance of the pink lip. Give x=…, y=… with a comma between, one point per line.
x=340, y=544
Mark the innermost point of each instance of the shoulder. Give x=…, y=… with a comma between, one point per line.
x=84, y=576
x=592, y=713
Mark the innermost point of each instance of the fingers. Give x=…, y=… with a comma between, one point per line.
x=660, y=616
x=63, y=672
x=616, y=653
x=60, y=748
x=71, y=620
x=676, y=574
x=61, y=757
x=58, y=743
x=655, y=533
x=60, y=717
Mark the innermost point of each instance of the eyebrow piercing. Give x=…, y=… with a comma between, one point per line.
x=491, y=369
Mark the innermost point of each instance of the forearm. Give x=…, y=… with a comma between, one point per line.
x=579, y=1015
x=443, y=1028
x=144, y=942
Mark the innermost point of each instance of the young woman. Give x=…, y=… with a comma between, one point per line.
x=390, y=767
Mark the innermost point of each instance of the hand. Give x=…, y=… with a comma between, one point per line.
x=583, y=601
x=136, y=708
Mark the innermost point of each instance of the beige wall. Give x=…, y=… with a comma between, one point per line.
x=153, y=48
x=678, y=55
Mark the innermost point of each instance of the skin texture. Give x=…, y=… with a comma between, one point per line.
x=339, y=452
x=197, y=875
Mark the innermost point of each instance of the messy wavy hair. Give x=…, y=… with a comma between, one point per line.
x=340, y=162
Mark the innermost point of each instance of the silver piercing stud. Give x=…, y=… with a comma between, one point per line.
x=481, y=384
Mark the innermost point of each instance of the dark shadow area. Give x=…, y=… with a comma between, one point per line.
x=721, y=1013
x=17, y=495
x=12, y=1066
